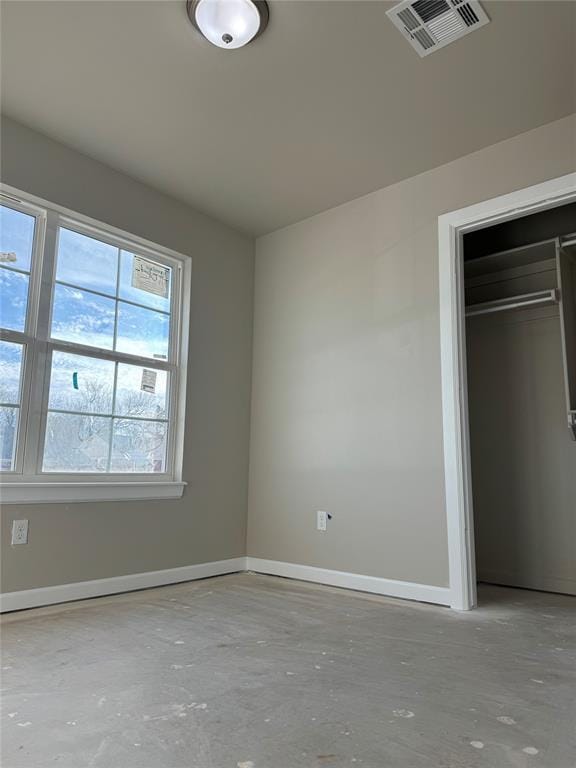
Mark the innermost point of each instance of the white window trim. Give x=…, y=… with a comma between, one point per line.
x=26, y=486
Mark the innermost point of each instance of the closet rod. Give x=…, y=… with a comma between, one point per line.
x=539, y=298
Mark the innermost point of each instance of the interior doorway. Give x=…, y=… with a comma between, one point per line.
x=520, y=295
x=479, y=234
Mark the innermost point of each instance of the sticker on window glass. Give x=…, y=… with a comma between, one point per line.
x=8, y=257
x=150, y=277
x=148, y=381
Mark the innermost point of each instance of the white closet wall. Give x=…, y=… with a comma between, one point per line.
x=523, y=456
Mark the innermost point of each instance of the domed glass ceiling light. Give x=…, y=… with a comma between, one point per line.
x=228, y=23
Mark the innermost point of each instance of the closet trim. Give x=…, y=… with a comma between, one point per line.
x=451, y=229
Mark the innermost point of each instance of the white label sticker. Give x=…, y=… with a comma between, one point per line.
x=8, y=256
x=150, y=277
x=148, y=381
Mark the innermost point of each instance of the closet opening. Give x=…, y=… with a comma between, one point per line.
x=507, y=280
x=520, y=319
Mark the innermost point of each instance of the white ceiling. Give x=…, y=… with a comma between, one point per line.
x=329, y=104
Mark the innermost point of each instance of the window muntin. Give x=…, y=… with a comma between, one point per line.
x=86, y=262
x=16, y=238
x=82, y=317
x=16, y=245
x=142, y=332
x=104, y=339
x=18, y=233
x=80, y=384
x=14, y=292
x=120, y=416
x=8, y=434
x=138, y=446
x=11, y=359
x=10, y=372
x=108, y=298
x=76, y=443
x=141, y=392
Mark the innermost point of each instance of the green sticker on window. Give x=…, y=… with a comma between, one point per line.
x=75, y=379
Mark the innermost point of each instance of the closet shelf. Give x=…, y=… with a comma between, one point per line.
x=536, y=299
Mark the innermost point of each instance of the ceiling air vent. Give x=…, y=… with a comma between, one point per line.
x=431, y=24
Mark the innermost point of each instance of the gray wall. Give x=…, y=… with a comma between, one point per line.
x=346, y=409
x=74, y=542
x=346, y=376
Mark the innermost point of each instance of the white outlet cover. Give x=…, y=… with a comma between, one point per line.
x=321, y=520
x=19, y=532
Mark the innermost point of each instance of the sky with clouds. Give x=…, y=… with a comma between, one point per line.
x=96, y=290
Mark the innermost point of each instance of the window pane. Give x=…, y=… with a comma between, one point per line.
x=155, y=281
x=142, y=331
x=8, y=431
x=13, y=299
x=76, y=443
x=10, y=372
x=86, y=262
x=141, y=392
x=138, y=446
x=81, y=384
x=83, y=317
x=16, y=238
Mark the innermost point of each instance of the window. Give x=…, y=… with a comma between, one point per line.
x=93, y=336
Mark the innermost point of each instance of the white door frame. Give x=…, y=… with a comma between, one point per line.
x=451, y=228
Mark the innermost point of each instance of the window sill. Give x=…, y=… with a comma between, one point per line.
x=70, y=492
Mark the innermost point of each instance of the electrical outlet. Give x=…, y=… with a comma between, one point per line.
x=321, y=520
x=19, y=532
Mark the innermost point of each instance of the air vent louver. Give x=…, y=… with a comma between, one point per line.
x=430, y=9
x=432, y=24
x=424, y=39
x=408, y=19
x=468, y=15
x=446, y=27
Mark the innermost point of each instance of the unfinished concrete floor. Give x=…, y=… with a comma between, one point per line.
x=250, y=671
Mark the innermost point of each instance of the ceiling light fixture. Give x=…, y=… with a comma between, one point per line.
x=228, y=23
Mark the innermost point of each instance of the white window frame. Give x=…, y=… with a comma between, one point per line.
x=26, y=483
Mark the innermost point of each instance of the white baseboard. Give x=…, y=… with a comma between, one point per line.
x=389, y=587
x=64, y=593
